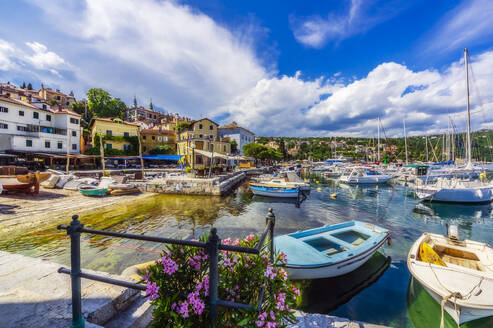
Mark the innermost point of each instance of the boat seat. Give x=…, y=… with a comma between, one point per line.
x=459, y=257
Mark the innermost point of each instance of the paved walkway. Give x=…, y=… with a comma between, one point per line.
x=310, y=320
x=34, y=294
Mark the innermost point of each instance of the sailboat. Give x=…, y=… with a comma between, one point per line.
x=456, y=190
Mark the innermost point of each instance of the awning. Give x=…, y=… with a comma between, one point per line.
x=210, y=155
x=174, y=158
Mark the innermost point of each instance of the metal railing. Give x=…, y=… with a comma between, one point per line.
x=212, y=246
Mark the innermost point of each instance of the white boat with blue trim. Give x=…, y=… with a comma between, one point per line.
x=272, y=190
x=330, y=251
x=363, y=175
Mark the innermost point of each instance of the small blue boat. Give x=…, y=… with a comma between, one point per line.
x=274, y=191
x=330, y=251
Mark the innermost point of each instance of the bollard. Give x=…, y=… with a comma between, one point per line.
x=74, y=232
x=272, y=218
x=212, y=252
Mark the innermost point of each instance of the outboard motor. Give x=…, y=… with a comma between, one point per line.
x=453, y=232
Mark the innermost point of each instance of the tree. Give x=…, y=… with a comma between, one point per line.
x=135, y=102
x=29, y=86
x=182, y=126
x=263, y=140
x=23, y=85
x=52, y=102
x=234, y=147
x=282, y=148
x=258, y=151
x=150, y=105
x=161, y=150
x=101, y=104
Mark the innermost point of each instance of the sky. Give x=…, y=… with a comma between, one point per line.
x=278, y=68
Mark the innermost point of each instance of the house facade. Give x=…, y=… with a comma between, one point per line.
x=116, y=131
x=141, y=114
x=60, y=97
x=235, y=132
x=200, y=142
x=153, y=138
x=27, y=128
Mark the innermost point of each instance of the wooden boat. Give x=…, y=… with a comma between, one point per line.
x=457, y=274
x=270, y=190
x=119, y=192
x=12, y=184
x=33, y=177
x=330, y=251
x=92, y=190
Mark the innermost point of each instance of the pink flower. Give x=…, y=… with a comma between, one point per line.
x=283, y=257
x=270, y=272
x=183, y=309
x=249, y=238
x=169, y=266
x=236, y=242
x=152, y=291
x=227, y=241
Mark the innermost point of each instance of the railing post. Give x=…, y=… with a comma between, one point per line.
x=74, y=232
x=272, y=218
x=212, y=251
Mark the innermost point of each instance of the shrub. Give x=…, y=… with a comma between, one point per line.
x=178, y=286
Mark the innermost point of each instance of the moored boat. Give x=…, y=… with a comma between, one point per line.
x=263, y=189
x=455, y=191
x=363, y=175
x=92, y=190
x=330, y=251
x=457, y=274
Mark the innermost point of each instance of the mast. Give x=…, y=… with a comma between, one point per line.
x=468, y=125
x=426, y=142
x=405, y=140
x=378, y=144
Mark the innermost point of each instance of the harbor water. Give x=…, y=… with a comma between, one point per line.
x=380, y=292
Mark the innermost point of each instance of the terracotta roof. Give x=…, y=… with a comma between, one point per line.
x=155, y=131
x=17, y=102
x=66, y=111
x=233, y=125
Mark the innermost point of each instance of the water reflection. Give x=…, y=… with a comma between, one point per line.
x=325, y=295
x=425, y=312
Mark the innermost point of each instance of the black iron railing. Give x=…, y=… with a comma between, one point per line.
x=212, y=247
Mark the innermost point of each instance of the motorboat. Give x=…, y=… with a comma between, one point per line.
x=330, y=251
x=455, y=191
x=457, y=274
x=363, y=175
x=272, y=190
x=303, y=186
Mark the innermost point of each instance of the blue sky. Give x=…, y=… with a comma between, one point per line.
x=293, y=68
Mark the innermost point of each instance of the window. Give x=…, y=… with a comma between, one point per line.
x=126, y=134
x=159, y=138
x=21, y=113
x=47, y=144
x=44, y=106
x=224, y=149
x=109, y=133
x=60, y=145
x=74, y=120
x=35, y=115
x=211, y=136
x=165, y=138
x=145, y=148
x=48, y=117
x=153, y=137
x=126, y=147
x=4, y=109
x=109, y=146
x=200, y=126
x=4, y=126
x=74, y=133
x=57, y=97
x=29, y=143
x=22, y=128
x=144, y=137
x=201, y=136
x=211, y=127
x=74, y=146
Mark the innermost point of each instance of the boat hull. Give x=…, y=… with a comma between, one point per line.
x=275, y=192
x=93, y=192
x=333, y=270
x=366, y=180
x=472, y=196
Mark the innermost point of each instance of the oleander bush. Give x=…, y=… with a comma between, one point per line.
x=178, y=287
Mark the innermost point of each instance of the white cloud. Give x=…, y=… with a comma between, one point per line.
x=42, y=58
x=468, y=24
x=316, y=31
x=7, y=51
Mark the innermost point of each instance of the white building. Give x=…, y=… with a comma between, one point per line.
x=25, y=127
x=235, y=132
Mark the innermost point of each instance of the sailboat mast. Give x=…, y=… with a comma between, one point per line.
x=378, y=144
x=405, y=140
x=469, y=161
x=426, y=143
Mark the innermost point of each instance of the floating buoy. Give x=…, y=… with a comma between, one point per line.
x=319, y=189
x=333, y=195
x=317, y=182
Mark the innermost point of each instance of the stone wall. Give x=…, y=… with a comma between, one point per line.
x=194, y=186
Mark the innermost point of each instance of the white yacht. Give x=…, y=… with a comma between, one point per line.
x=363, y=175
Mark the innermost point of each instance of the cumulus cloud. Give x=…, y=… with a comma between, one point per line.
x=316, y=31
x=42, y=58
x=468, y=24
x=7, y=51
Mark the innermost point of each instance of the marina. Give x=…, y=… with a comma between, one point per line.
x=180, y=216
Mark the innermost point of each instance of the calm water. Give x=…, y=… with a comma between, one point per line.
x=380, y=292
